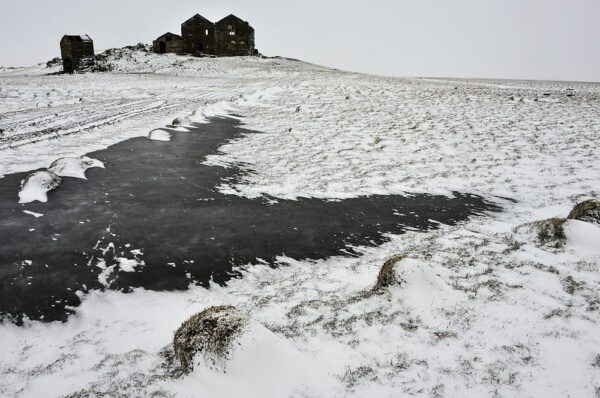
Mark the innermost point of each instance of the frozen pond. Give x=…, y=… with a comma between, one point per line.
x=154, y=218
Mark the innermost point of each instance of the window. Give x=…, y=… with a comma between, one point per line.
x=231, y=29
x=206, y=32
x=231, y=33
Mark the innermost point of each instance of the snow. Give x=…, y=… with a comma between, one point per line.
x=36, y=185
x=32, y=213
x=159, y=135
x=483, y=309
x=74, y=167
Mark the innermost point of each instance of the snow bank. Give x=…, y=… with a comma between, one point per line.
x=218, y=109
x=36, y=185
x=74, y=167
x=261, y=364
x=159, y=135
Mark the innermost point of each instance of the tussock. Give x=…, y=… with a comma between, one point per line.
x=209, y=333
x=387, y=276
x=588, y=211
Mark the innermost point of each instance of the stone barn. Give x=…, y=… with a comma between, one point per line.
x=168, y=43
x=77, y=52
x=199, y=36
x=234, y=37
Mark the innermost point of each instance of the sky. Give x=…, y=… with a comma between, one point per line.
x=510, y=39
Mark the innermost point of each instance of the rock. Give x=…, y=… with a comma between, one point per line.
x=387, y=275
x=210, y=333
x=588, y=211
x=54, y=62
x=180, y=121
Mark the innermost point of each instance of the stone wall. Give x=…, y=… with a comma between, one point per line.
x=77, y=53
x=198, y=35
x=168, y=43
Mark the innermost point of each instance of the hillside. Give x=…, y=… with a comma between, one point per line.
x=503, y=304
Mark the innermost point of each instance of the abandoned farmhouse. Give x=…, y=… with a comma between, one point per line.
x=231, y=36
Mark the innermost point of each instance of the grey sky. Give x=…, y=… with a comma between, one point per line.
x=536, y=39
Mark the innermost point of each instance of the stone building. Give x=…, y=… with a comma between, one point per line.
x=77, y=52
x=168, y=43
x=229, y=37
x=198, y=35
x=234, y=37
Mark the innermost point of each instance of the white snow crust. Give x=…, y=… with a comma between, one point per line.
x=74, y=167
x=159, y=135
x=483, y=310
x=36, y=186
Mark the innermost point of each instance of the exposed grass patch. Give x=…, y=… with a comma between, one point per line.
x=588, y=211
x=571, y=285
x=443, y=334
x=551, y=232
x=210, y=333
x=387, y=275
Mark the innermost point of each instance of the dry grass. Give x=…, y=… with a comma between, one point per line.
x=588, y=211
x=210, y=333
x=387, y=275
x=551, y=232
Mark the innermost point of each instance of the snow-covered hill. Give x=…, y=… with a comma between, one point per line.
x=485, y=308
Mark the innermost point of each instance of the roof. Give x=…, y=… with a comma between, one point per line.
x=168, y=34
x=81, y=38
x=230, y=17
x=200, y=17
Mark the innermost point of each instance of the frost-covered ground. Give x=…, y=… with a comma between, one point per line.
x=483, y=308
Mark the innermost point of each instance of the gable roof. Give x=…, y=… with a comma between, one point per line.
x=229, y=18
x=196, y=17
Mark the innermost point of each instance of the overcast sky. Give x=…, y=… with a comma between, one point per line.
x=528, y=39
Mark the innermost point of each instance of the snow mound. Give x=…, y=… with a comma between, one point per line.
x=423, y=290
x=259, y=363
x=36, y=185
x=583, y=237
x=159, y=135
x=74, y=167
x=209, y=110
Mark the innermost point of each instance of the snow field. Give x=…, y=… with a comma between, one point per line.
x=482, y=308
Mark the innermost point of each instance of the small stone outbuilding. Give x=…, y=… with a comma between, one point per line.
x=77, y=52
x=168, y=43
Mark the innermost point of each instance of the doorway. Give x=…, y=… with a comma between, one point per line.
x=163, y=47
